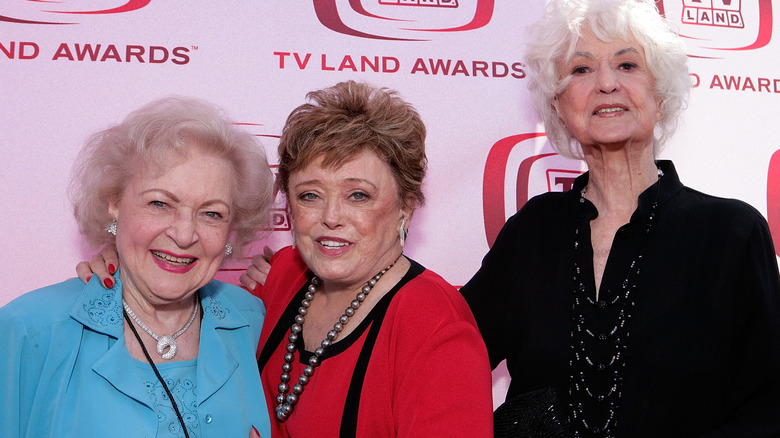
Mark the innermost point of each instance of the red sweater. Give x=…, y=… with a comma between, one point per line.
x=428, y=373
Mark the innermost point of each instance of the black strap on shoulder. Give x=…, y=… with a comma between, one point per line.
x=352, y=404
x=285, y=321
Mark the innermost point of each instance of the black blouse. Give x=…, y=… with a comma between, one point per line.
x=702, y=354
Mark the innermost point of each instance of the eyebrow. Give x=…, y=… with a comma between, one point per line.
x=620, y=52
x=316, y=181
x=175, y=198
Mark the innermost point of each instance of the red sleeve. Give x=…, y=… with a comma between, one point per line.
x=443, y=386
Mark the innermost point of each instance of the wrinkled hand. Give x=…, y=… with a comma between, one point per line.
x=257, y=272
x=103, y=264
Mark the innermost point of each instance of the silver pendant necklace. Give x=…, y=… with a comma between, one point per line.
x=166, y=341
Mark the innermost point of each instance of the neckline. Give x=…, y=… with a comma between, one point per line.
x=340, y=346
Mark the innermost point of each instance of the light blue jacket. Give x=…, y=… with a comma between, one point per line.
x=65, y=370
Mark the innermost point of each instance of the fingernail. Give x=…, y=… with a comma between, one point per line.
x=111, y=269
x=255, y=431
x=109, y=283
x=89, y=278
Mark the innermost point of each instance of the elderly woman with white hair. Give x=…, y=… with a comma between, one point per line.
x=166, y=351
x=633, y=304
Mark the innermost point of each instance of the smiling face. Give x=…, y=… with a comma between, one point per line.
x=172, y=227
x=347, y=219
x=610, y=100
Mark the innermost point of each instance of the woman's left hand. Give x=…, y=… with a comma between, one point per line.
x=102, y=264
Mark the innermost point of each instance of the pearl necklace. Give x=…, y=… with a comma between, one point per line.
x=285, y=403
x=166, y=341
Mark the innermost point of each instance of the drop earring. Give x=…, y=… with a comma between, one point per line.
x=228, y=249
x=402, y=233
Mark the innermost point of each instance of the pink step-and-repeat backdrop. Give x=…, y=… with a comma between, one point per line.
x=69, y=68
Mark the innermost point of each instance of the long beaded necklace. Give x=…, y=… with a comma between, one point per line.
x=285, y=403
x=165, y=341
x=579, y=388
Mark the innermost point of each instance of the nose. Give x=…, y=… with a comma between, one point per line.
x=608, y=81
x=183, y=230
x=332, y=214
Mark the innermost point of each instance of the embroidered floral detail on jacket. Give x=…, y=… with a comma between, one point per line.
x=105, y=310
x=185, y=393
x=215, y=307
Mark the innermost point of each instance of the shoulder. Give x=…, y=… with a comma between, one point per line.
x=541, y=210
x=440, y=301
x=713, y=211
x=45, y=306
x=232, y=296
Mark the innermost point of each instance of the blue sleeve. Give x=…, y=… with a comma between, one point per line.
x=18, y=373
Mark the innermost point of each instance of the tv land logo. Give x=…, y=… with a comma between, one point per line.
x=63, y=11
x=726, y=13
x=710, y=26
x=539, y=170
x=402, y=20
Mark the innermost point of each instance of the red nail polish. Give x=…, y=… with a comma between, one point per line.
x=89, y=278
x=255, y=431
x=109, y=283
x=111, y=269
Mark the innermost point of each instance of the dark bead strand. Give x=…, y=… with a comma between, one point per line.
x=579, y=388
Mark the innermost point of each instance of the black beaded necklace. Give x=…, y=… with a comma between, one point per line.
x=580, y=387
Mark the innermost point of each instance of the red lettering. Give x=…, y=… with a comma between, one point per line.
x=62, y=51
x=181, y=57
x=387, y=61
x=695, y=80
x=111, y=53
x=503, y=66
x=748, y=84
x=156, y=49
x=347, y=63
x=732, y=81
x=364, y=61
x=440, y=65
x=324, y=66
x=281, y=56
x=763, y=83
x=419, y=65
x=136, y=51
x=460, y=67
x=479, y=67
x=302, y=64
x=24, y=45
x=81, y=52
x=518, y=70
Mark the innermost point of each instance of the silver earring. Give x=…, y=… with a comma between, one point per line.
x=292, y=233
x=228, y=249
x=112, y=228
x=402, y=233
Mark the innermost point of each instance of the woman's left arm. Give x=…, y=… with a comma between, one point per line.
x=755, y=391
x=446, y=389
